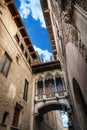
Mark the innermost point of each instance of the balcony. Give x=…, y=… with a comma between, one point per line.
x=50, y=89
x=51, y=96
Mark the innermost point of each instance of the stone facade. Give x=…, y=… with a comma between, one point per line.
x=50, y=119
x=17, y=81
x=12, y=86
x=28, y=93
x=47, y=98
x=68, y=21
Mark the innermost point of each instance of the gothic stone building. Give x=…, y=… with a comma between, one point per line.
x=31, y=90
x=66, y=21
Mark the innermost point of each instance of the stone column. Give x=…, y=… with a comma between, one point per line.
x=55, y=83
x=44, y=91
x=36, y=90
x=64, y=87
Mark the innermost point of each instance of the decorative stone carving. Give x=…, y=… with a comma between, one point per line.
x=83, y=51
x=67, y=18
x=67, y=7
x=79, y=44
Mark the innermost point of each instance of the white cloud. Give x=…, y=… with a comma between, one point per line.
x=33, y=7
x=45, y=54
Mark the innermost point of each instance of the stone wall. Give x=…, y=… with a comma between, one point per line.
x=54, y=120
x=69, y=26
x=12, y=86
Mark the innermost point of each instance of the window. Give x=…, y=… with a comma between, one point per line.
x=59, y=84
x=17, y=110
x=5, y=115
x=29, y=61
x=22, y=47
x=16, y=117
x=25, y=90
x=5, y=64
x=40, y=87
x=17, y=38
x=18, y=59
x=26, y=55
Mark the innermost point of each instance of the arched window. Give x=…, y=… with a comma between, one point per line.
x=22, y=47
x=49, y=84
x=40, y=87
x=59, y=84
x=26, y=55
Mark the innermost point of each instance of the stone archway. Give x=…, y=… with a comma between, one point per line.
x=45, y=109
x=81, y=106
x=52, y=106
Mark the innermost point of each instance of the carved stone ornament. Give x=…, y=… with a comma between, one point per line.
x=67, y=8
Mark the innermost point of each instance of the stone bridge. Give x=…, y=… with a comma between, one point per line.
x=52, y=101
x=50, y=92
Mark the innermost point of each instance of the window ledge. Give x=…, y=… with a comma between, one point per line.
x=2, y=124
x=14, y=128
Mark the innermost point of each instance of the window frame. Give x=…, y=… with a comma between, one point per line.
x=5, y=116
x=4, y=60
x=16, y=116
x=25, y=93
x=17, y=38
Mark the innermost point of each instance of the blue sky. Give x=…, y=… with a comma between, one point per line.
x=31, y=13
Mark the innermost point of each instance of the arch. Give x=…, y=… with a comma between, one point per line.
x=58, y=74
x=80, y=105
x=78, y=93
x=40, y=85
x=40, y=78
x=49, y=85
x=51, y=106
x=59, y=84
x=45, y=108
x=48, y=76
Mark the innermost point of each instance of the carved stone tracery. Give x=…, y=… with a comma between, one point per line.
x=67, y=8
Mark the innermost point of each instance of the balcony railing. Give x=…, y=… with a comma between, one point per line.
x=51, y=95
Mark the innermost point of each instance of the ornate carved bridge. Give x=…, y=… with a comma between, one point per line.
x=50, y=90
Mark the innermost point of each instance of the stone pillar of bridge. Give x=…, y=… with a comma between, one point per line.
x=44, y=90
x=55, y=83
